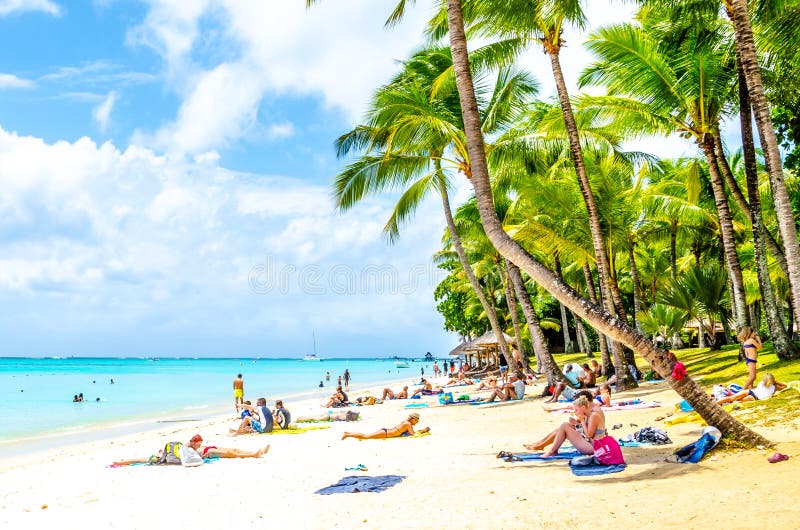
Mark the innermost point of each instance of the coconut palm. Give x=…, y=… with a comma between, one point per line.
x=685, y=89
x=414, y=139
x=663, y=320
x=510, y=249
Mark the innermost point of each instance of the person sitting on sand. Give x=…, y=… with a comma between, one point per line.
x=405, y=428
x=259, y=421
x=189, y=454
x=603, y=396
x=562, y=389
x=514, y=389
x=387, y=393
x=489, y=384
x=589, y=379
x=597, y=369
x=338, y=399
x=547, y=440
x=593, y=427
x=765, y=389
x=281, y=417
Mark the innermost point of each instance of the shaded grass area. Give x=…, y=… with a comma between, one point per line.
x=723, y=367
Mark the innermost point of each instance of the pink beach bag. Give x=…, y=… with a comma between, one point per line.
x=607, y=451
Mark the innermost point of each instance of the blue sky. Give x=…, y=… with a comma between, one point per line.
x=164, y=180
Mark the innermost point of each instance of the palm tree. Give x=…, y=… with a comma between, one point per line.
x=413, y=131
x=684, y=89
x=663, y=320
x=509, y=249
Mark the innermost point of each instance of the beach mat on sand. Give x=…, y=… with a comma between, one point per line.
x=358, y=484
x=593, y=470
x=526, y=457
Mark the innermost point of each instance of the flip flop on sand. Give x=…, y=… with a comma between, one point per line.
x=504, y=454
x=777, y=457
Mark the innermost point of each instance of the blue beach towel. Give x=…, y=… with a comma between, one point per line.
x=590, y=471
x=568, y=455
x=354, y=484
x=415, y=406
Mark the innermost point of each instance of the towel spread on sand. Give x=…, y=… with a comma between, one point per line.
x=354, y=484
x=522, y=457
x=592, y=470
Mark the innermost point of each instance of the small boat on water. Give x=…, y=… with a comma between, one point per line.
x=401, y=364
x=312, y=356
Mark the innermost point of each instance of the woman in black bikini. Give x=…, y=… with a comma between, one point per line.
x=751, y=344
x=406, y=428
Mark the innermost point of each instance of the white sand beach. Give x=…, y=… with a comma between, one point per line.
x=452, y=477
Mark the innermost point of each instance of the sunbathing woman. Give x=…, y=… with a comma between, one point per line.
x=751, y=344
x=547, y=440
x=405, y=428
x=764, y=390
x=592, y=424
x=388, y=394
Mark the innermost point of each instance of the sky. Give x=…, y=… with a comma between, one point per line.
x=165, y=171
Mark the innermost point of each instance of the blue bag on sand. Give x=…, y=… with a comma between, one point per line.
x=695, y=451
x=444, y=399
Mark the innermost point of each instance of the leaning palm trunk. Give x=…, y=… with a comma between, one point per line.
x=624, y=379
x=782, y=344
x=726, y=229
x=547, y=365
x=602, y=320
x=491, y=314
x=746, y=48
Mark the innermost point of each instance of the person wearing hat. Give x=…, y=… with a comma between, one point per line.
x=405, y=428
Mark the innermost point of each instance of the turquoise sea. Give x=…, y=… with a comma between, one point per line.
x=36, y=393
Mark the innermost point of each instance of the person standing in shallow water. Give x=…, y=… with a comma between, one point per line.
x=238, y=392
x=346, y=379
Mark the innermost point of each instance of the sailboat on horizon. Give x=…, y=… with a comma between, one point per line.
x=312, y=356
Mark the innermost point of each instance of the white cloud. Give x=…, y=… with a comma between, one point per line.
x=338, y=50
x=139, y=242
x=20, y=6
x=278, y=131
x=12, y=81
x=102, y=112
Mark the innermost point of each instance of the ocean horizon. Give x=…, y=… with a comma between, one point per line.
x=36, y=392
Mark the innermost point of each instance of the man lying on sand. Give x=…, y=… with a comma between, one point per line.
x=405, y=428
x=188, y=454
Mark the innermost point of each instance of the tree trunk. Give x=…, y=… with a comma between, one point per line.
x=491, y=314
x=547, y=365
x=746, y=48
x=602, y=343
x=511, y=302
x=673, y=255
x=508, y=248
x=587, y=344
x=637, y=295
x=782, y=344
x=726, y=229
x=766, y=236
x=607, y=291
x=568, y=346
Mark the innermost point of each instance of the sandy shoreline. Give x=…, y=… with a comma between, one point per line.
x=452, y=477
